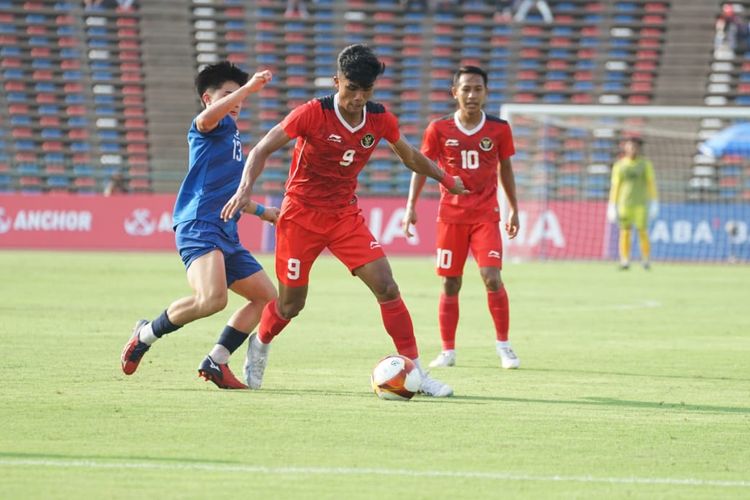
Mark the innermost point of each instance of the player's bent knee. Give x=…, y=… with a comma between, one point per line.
x=493, y=284
x=451, y=286
x=211, y=304
x=385, y=291
x=291, y=309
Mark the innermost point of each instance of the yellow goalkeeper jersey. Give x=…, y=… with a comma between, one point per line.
x=633, y=182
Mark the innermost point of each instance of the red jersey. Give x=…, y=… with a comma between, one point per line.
x=473, y=155
x=330, y=153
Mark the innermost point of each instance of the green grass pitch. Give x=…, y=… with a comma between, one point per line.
x=632, y=385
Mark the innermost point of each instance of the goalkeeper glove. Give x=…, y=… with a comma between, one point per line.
x=612, y=212
x=653, y=209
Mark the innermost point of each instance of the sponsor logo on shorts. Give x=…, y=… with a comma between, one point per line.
x=486, y=144
x=374, y=245
x=494, y=254
x=367, y=141
x=451, y=142
x=334, y=138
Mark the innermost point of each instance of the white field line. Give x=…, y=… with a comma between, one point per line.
x=353, y=471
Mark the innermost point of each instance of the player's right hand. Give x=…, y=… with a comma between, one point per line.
x=236, y=203
x=612, y=212
x=410, y=218
x=459, y=188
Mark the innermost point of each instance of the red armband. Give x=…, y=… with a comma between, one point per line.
x=448, y=181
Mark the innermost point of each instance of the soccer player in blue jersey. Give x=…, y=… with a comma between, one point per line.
x=210, y=247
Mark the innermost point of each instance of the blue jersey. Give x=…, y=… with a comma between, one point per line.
x=213, y=175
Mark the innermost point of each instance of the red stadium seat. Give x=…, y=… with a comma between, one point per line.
x=49, y=121
x=78, y=134
x=21, y=133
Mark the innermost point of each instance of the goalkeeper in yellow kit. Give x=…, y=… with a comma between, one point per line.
x=633, y=199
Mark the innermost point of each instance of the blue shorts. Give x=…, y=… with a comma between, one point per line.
x=195, y=238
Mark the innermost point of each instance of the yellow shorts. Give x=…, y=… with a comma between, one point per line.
x=634, y=215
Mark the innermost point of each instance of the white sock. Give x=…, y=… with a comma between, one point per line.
x=220, y=354
x=503, y=344
x=260, y=345
x=449, y=351
x=146, y=335
x=419, y=366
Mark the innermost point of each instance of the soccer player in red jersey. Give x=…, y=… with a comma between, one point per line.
x=335, y=137
x=477, y=147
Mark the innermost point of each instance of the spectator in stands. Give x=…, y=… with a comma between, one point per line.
x=116, y=185
x=429, y=5
x=477, y=147
x=296, y=8
x=633, y=199
x=93, y=4
x=731, y=32
x=541, y=5
x=125, y=5
x=504, y=9
x=210, y=247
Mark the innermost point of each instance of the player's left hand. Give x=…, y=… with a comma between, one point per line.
x=271, y=214
x=236, y=203
x=410, y=218
x=512, y=225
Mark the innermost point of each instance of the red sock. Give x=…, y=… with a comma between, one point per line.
x=397, y=322
x=448, y=319
x=271, y=323
x=500, y=312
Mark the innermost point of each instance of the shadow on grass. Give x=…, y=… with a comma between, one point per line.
x=469, y=399
x=650, y=375
x=613, y=402
x=62, y=456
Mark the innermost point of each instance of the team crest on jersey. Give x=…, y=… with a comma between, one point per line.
x=486, y=144
x=451, y=142
x=367, y=141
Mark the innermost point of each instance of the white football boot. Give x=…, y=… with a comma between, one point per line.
x=508, y=358
x=435, y=388
x=445, y=358
x=255, y=362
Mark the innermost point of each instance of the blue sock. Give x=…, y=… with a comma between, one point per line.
x=162, y=325
x=231, y=338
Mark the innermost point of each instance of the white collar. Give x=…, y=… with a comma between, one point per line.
x=464, y=129
x=343, y=121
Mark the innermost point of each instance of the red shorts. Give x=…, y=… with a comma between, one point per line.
x=455, y=240
x=302, y=233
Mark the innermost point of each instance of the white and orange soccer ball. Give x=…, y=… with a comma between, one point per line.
x=396, y=378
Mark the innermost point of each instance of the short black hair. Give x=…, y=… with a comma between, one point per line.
x=470, y=70
x=635, y=140
x=359, y=64
x=214, y=76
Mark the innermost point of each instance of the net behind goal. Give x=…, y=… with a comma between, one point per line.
x=563, y=164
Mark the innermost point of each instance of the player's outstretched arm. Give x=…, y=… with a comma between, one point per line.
x=410, y=214
x=508, y=181
x=256, y=162
x=210, y=117
x=420, y=164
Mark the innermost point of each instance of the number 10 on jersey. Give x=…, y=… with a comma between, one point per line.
x=469, y=159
